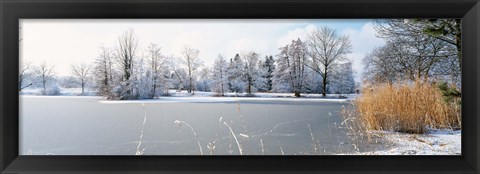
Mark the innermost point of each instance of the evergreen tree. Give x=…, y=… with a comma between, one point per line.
x=252, y=75
x=268, y=69
x=235, y=74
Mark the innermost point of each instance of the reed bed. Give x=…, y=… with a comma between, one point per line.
x=409, y=107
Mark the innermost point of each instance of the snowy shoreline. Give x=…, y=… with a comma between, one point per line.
x=200, y=96
x=434, y=142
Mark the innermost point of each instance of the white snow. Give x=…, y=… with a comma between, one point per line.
x=206, y=97
x=63, y=91
x=201, y=94
x=434, y=142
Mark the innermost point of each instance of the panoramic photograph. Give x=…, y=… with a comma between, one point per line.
x=240, y=87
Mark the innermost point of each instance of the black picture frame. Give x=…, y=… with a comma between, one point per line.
x=13, y=10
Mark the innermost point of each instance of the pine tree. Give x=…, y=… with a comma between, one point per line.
x=235, y=74
x=268, y=69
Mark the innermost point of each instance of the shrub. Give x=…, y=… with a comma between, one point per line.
x=406, y=107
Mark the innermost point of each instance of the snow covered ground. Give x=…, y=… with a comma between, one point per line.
x=434, y=142
x=63, y=91
x=201, y=96
x=208, y=97
x=184, y=93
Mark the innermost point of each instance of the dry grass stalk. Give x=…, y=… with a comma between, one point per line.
x=240, y=150
x=406, y=107
x=315, y=149
x=179, y=123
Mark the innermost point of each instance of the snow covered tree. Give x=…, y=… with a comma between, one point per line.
x=191, y=61
x=291, y=72
x=268, y=67
x=261, y=85
x=342, y=79
x=156, y=63
x=204, y=79
x=103, y=72
x=220, y=80
x=327, y=49
x=251, y=73
x=235, y=74
x=141, y=79
x=179, y=78
x=125, y=56
x=44, y=73
x=281, y=80
x=81, y=72
x=298, y=54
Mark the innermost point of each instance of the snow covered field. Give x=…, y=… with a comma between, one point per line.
x=435, y=142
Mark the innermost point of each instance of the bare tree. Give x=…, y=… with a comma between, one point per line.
x=81, y=72
x=191, y=61
x=326, y=50
x=156, y=62
x=445, y=30
x=380, y=65
x=422, y=48
x=23, y=73
x=298, y=58
x=126, y=50
x=103, y=71
x=45, y=73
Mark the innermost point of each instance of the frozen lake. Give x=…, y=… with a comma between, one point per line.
x=93, y=126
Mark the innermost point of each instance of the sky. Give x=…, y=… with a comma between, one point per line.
x=63, y=42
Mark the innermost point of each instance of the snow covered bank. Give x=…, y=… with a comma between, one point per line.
x=200, y=97
x=174, y=94
x=62, y=92
x=184, y=93
x=434, y=142
x=197, y=99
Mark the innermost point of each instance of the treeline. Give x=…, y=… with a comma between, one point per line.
x=316, y=64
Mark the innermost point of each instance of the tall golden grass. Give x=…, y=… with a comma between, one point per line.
x=406, y=107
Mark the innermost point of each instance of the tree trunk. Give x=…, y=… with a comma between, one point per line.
x=249, y=87
x=153, y=94
x=222, y=90
x=83, y=86
x=297, y=94
x=324, y=84
x=191, y=86
x=44, y=88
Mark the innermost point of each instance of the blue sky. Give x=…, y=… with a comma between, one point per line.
x=64, y=42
